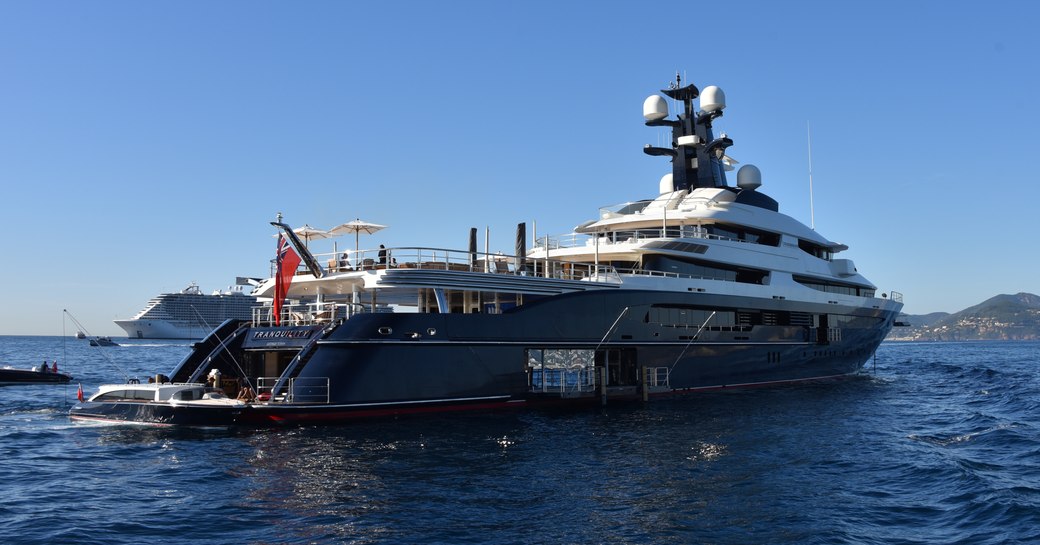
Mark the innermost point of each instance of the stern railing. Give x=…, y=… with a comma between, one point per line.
x=658, y=377
x=301, y=390
x=563, y=380
x=321, y=312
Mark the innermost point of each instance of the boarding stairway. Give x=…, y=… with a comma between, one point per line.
x=211, y=351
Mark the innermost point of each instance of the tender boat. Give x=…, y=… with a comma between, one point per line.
x=703, y=286
x=103, y=341
x=10, y=376
x=161, y=404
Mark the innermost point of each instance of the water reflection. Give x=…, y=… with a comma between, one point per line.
x=626, y=473
x=362, y=481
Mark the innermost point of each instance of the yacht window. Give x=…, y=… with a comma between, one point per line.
x=114, y=395
x=143, y=395
x=690, y=317
x=722, y=232
x=814, y=249
x=731, y=232
x=702, y=269
x=632, y=208
x=834, y=287
x=855, y=322
x=778, y=317
x=127, y=395
x=187, y=395
x=679, y=246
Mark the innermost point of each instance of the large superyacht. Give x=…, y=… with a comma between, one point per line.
x=704, y=286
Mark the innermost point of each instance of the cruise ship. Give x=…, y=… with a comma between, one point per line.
x=702, y=285
x=188, y=314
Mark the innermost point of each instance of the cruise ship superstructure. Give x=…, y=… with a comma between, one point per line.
x=188, y=314
x=704, y=286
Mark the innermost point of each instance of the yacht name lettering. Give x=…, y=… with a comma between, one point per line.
x=283, y=334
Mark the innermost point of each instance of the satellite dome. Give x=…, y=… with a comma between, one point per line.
x=667, y=184
x=712, y=98
x=655, y=108
x=749, y=177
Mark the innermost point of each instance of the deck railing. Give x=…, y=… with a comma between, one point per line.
x=563, y=380
x=300, y=390
x=320, y=312
x=621, y=236
x=457, y=260
x=658, y=377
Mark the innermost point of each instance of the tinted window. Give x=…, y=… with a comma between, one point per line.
x=114, y=395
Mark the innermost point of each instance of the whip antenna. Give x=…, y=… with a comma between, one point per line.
x=812, y=212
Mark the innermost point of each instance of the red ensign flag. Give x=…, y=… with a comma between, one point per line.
x=286, y=263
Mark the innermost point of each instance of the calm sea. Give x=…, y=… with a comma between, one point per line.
x=936, y=443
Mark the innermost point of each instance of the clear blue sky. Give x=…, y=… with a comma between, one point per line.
x=145, y=145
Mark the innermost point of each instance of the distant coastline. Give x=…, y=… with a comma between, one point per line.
x=1000, y=318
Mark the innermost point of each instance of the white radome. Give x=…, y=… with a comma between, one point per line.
x=712, y=98
x=667, y=184
x=655, y=108
x=749, y=177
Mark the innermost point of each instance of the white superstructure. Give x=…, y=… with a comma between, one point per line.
x=188, y=314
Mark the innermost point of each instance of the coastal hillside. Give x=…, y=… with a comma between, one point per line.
x=1004, y=317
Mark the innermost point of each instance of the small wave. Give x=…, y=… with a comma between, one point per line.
x=952, y=439
x=942, y=441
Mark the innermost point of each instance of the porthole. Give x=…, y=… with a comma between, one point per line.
x=385, y=330
x=431, y=331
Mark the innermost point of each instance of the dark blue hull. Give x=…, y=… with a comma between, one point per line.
x=19, y=376
x=380, y=364
x=157, y=414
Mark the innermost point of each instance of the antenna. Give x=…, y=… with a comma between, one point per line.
x=812, y=212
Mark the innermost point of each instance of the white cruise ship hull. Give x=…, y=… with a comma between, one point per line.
x=161, y=329
x=186, y=315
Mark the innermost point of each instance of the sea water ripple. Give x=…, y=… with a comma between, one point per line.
x=935, y=443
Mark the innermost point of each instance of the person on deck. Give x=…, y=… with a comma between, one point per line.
x=245, y=393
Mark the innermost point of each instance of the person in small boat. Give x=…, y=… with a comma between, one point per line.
x=213, y=379
x=44, y=367
x=245, y=393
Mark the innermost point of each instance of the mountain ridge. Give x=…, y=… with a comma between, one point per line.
x=1009, y=317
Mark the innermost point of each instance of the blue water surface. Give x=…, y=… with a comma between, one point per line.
x=935, y=443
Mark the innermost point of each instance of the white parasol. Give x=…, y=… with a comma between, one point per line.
x=357, y=227
x=308, y=233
